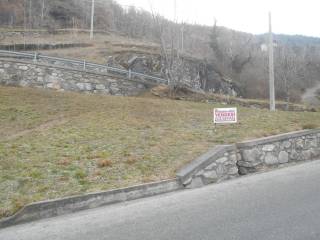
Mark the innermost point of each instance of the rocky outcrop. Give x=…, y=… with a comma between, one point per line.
x=190, y=72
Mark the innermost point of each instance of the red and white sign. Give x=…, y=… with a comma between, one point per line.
x=225, y=115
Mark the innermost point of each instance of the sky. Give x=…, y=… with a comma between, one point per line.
x=288, y=16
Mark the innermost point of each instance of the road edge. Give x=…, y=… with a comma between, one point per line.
x=57, y=207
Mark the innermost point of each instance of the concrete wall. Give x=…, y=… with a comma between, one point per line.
x=28, y=74
x=230, y=161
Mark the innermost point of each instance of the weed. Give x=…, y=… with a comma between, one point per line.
x=104, y=163
x=4, y=213
x=35, y=174
x=65, y=162
x=131, y=160
x=18, y=202
x=80, y=174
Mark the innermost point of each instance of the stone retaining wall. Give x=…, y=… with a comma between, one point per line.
x=230, y=161
x=217, y=165
x=273, y=151
x=26, y=74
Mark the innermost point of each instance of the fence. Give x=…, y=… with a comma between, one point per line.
x=84, y=65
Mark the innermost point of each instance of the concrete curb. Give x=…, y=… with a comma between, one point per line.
x=57, y=207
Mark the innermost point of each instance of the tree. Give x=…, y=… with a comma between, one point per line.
x=172, y=61
x=287, y=67
x=232, y=50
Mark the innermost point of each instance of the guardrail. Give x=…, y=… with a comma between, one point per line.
x=83, y=64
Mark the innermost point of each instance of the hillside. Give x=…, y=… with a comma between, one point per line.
x=208, y=54
x=61, y=144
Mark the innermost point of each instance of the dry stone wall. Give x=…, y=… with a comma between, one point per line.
x=28, y=74
x=230, y=161
x=277, y=150
x=216, y=165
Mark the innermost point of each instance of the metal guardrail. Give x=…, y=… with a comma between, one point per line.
x=84, y=64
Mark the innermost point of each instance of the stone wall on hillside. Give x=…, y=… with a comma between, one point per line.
x=39, y=75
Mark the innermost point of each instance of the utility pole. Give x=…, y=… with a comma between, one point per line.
x=24, y=23
x=182, y=37
x=25, y=16
x=175, y=11
x=30, y=14
x=92, y=18
x=271, y=68
x=42, y=11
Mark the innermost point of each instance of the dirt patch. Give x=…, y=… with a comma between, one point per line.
x=41, y=128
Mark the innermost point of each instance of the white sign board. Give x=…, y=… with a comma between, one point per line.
x=225, y=115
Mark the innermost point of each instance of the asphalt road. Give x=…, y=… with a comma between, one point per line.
x=281, y=204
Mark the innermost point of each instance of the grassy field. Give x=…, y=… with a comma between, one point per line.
x=60, y=144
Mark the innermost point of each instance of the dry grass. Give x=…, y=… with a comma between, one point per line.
x=104, y=163
x=163, y=91
x=105, y=142
x=104, y=45
x=310, y=126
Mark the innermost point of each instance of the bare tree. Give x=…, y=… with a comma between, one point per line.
x=287, y=67
x=232, y=50
x=172, y=62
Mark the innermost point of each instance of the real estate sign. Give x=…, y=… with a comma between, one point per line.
x=225, y=115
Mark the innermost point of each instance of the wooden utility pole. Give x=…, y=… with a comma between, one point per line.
x=92, y=18
x=271, y=68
